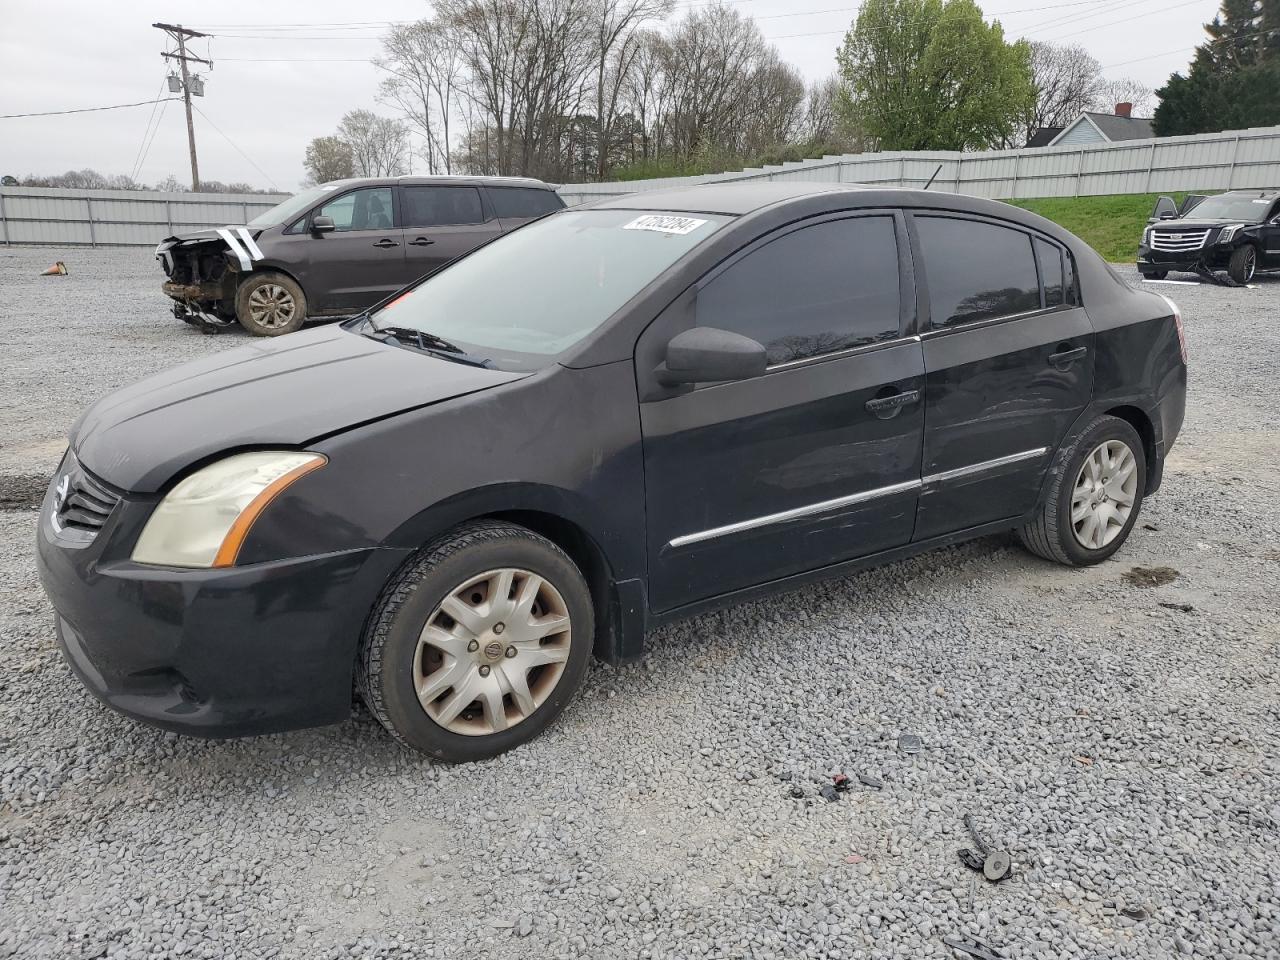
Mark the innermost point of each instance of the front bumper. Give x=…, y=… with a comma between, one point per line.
x=1206, y=258
x=215, y=653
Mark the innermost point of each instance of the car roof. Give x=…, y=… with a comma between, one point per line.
x=735, y=198
x=429, y=179
x=1259, y=194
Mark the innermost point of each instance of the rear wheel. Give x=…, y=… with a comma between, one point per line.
x=479, y=644
x=270, y=304
x=1094, y=496
x=1243, y=264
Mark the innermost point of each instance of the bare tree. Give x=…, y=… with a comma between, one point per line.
x=618, y=42
x=1067, y=80
x=378, y=144
x=1111, y=92
x=426, y=71
x=328, y=158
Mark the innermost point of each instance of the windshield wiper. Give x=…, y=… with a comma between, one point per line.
x=429, y=343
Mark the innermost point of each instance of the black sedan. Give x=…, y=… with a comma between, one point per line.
x=610, y=418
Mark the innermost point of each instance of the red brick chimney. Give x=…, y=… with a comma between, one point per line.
x=1124, y=109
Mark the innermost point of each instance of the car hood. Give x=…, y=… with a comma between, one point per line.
x=1192, y=224
x=288, y=392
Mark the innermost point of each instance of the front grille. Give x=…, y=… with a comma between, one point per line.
x=80, y=502
x=1178, y=241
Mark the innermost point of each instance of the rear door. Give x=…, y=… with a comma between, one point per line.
x=441, y=223
x=515, y=206
x=362, y=260
x=817, y=460
x=1008, y=357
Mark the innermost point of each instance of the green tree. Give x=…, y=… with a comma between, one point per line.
x=933, y=75
x=328, y=158
x=1234, y=80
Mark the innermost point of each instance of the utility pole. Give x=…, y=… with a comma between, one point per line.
x=181, y=34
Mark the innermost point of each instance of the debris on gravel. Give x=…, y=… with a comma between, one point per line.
x=597, y=840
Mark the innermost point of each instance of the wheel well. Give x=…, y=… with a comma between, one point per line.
x=582, y=550
x=1138, y=419
x=260, y=271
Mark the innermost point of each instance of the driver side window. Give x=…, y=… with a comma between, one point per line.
x=366, y=209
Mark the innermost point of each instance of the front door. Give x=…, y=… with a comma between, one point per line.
x=362, y=260
x=814, y=462
x=441, y=224
x=1008, y=356
x=1270, y=235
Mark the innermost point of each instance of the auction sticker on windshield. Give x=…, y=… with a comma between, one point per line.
x=663, y=224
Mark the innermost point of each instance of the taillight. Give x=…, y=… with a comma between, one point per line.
x=1177, y=322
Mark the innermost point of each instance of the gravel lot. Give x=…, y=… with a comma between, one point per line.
x=1122, y=742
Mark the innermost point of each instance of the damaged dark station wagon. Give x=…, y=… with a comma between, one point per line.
x=614, y=417
x=339, y=248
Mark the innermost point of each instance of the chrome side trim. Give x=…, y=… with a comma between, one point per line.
x=984, y=466
x=794, y=514
x=233, y=244
x=855, y=498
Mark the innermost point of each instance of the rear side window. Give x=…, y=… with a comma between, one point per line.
x=976, y=271
x=827, y=287
x=1050, y=258
x=441, y=206
x=367, y=209
x=522, y=202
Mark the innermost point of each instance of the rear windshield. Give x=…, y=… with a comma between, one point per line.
x=537, y=291
x=1246, y=209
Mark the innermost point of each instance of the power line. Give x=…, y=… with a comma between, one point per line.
x=155, y=131
x=1136, y=16
x=236, y=146
x=58, y=113
x=147, y=129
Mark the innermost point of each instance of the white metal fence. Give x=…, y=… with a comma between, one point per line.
x=41, y=215
x=1215, y=161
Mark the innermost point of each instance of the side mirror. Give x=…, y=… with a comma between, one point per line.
x=323, y=224
x=709, y=355
x=1168, y=215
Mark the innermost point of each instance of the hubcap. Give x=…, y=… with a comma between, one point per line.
x=492, y=652
x=1104, y=494
x=1250, y=264
x=271, y=305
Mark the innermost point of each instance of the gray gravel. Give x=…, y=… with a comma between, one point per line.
x=1126, y=751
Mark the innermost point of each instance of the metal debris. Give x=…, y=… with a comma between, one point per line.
x=910, y=743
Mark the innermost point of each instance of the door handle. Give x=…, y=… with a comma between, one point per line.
x=890, y=406
x=386, y=244
x=421, y=242
x=1064, y=358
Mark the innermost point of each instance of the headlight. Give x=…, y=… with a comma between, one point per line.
x=1227, y=234
x=1146, y=237
x=204, y=519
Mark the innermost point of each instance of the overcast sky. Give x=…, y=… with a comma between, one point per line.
x=272, y=91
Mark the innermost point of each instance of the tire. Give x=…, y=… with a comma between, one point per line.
x=1053, y=535
x=270, y=304
x=1155, y=275
x=460, y=717
x=1243, y=263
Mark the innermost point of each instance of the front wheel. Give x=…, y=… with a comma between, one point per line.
x=1243, y=264
x=479, y=643
x=1155, y=275
x=1094, y=496
x=270, y=304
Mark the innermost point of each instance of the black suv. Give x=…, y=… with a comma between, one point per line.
x=612, y=418
x=339, y=248
x=1238, y=232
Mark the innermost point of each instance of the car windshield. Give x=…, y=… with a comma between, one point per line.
x=540, y=289
x=286, y=210
x=1245, y=209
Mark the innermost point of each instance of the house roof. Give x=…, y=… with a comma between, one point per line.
x=1044, y=136
x=1112, y=127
